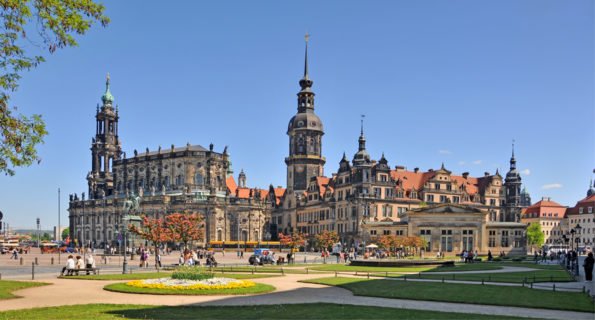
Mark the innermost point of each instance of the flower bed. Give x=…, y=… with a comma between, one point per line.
x=182, y=284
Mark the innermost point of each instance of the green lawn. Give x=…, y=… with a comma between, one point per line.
x=512, y=277
x=154, y=275
x=463, y=293
x=287, y=311
x=345, y=268
x=123, y=287
x=467, y=267
x=6, y=287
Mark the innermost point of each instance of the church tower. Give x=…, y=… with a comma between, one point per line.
x=512, y=187
x=105, y=147
x=305, y=132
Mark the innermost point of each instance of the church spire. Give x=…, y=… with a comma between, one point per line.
x=362, y=138
x=305, y=82
x=512, y=159
x=107, y=97
x=591, y=190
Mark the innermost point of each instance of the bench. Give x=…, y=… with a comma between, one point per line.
x=73, y=272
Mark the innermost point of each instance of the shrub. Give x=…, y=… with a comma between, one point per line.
x=190, y=273
x=518, y=259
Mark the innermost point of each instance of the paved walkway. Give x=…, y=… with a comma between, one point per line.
x=289, y=291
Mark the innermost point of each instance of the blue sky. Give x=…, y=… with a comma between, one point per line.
x=438, y=81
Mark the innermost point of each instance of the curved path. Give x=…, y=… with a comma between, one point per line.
x=504, y=269
x=289, y=291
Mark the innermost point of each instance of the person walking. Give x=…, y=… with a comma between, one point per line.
x=588, y=266
x=89, y=263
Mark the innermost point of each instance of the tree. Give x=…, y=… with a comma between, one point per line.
x=293, y=240
x=535, y=236
x=326, y=239
x=155, y=231
x=185, y=227
x=56, y=22
x=65, y=233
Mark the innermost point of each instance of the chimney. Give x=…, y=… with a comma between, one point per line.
x=279, y=187
x=415, y=170
x=400, y=168
x=431, y=170
x=465, y=175
x=485, y=174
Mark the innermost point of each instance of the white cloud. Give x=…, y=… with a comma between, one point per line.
x=526, y=172
x=444, y=151
x=461, y=163
x=477, y=162
x=551, y=186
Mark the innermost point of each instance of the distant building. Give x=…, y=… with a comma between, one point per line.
x=581, y=218
x=550, y=215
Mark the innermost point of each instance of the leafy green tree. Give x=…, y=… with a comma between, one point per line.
x=535, y=236
x=56, y=22
x=65, y=233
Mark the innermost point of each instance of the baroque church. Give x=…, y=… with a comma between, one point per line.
x=363, y=200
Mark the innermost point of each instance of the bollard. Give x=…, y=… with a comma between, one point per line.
x=386, y=275
x=482, y=281
x=368, y=275
x=304, y=259
x=419, y=275
x=32, y=270
x=52, y=261
x=336, y=276
x=36, y=262
x=554, y=287
x=531, y=285
x=282, y=271
x=307, y=271
x=405, y=278
x=442, y=279
x=21, y=261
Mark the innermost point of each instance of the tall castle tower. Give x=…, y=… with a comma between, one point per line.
x=105, y=147
x=305, y=132
x=512, y=187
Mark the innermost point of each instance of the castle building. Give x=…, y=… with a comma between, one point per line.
x=366, y=198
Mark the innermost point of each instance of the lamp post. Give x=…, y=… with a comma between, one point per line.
x=572, y=232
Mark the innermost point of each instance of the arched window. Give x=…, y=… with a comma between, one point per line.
x=198, y=179
x=179, y=180
x=244, y=235
x=255, y=235
x=166, y=181
x=219, y=235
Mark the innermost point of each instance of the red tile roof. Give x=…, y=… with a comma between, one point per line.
x=231, y=185
x=323, y=184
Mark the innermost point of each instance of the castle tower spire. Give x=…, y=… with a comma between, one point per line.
x=305, y=131
x=512, y=159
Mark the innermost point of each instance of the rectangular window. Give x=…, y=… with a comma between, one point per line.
x=386, y=232
x=492, y=202
x=430, y=198
x=377, y=192
x=504, y=241
x=373, y=232
x=437, y=186
x=455, y=199
x=443, y=199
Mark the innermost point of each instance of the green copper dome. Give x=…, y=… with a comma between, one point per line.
x=107, y=97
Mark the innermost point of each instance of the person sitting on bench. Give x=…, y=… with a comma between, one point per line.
x=69, y=268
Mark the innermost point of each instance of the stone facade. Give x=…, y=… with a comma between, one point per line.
x=178, y=179
x=366, y=198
